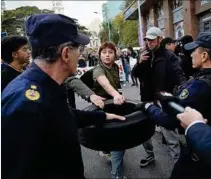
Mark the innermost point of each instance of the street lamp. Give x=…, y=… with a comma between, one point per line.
x=109, y=31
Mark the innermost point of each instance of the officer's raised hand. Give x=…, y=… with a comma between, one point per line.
x=114, y=116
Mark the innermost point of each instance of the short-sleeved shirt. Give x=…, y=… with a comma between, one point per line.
x=111, y=74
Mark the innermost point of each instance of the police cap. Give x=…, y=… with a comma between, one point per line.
x=45, y=30
x=202, y=40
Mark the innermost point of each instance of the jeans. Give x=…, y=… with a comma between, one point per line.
x=127, y=71
x=117, y=163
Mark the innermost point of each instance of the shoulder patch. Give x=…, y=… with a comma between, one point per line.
x=184, y=94
x=32, y=93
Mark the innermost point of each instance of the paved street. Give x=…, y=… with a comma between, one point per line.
x=97, y=167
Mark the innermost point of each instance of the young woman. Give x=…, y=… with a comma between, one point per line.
x=107, y=85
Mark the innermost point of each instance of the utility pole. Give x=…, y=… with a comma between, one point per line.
x=107, y=20
x=140, y=23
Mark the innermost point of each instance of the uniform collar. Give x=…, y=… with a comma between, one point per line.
x=37, y=75
x=204, y=71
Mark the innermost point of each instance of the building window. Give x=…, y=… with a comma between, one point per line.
x=177, y=3
x=160, y=12
x=205, y=2
x=179, y=30
x=207, y=26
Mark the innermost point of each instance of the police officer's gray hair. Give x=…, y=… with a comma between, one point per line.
x=50, y=54
x=202, y=49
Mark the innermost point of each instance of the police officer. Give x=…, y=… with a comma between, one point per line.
x=197, y=94
x=39, y=132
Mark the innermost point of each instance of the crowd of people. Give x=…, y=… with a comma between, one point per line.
x=39, y=115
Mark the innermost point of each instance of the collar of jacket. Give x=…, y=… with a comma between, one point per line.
x=160, y=51
x=204, y=71
x=159, y=54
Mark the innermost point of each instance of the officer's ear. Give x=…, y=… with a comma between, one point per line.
x=65, y=54
x=204, y=56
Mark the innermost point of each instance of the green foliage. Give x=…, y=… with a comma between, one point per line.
x=124, y=33
x=82, y=29
x=13, y=20
x=104, y=32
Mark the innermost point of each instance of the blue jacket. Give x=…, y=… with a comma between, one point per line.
x=199, y=140
x=195, y=93
x=39, y=131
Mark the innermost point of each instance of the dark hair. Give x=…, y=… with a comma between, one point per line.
x=166, y=41
x=50, y=54
x=107, y=45
x=130, y=48
x=11, y=44
x=186, y=39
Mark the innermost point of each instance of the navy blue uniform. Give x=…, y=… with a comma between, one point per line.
x=39, y=132
x=195, y=93
x=199, y=139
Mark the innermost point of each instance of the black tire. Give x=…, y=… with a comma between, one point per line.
x=118, y=135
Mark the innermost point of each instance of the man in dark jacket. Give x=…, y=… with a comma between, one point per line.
x=39, y=131
x=158, y=70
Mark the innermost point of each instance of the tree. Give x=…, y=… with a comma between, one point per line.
x=103, y=34
x=105, y=31
x=81, y=28
x=128, y=31
x=126, y=4
x=13, y=20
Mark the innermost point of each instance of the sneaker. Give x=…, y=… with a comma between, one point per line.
x=146, y=161
x=124, y=177
x=107, y=156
